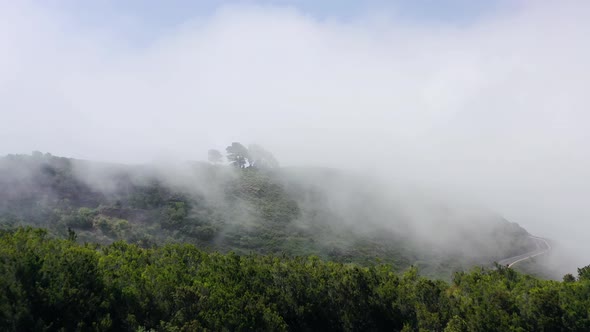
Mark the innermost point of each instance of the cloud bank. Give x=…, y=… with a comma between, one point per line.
x=494, y=110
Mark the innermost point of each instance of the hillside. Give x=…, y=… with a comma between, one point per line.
x=293, y=212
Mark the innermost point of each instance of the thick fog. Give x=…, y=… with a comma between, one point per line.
x=493, y=111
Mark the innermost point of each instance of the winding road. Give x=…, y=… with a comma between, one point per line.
x=542, y=247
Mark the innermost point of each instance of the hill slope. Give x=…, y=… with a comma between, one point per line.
x=327, y=213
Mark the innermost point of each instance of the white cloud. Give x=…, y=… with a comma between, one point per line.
x=496, y=110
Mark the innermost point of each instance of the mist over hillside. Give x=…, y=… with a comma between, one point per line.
x=334, y=214
x=294, y=165
x=491, y=109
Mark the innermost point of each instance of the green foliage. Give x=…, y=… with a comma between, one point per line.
x=584, y=273
x=51, y=284
x=174, y=215
x=258, y=209
x=152, y=195
x=569, y=278
x=82, y=219
x=268, y=197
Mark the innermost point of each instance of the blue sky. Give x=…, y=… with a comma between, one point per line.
x=156, y=14
x=140, y=22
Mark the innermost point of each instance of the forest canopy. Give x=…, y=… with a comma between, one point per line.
x=53, y=284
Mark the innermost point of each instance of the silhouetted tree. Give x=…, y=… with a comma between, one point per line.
x=238, y=155
x=72, y=235
x=569, y=278
x=584, y=273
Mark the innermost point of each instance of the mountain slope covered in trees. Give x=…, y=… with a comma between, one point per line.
x=247, y=209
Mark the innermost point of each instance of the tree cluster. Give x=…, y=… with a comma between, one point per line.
x=50, y=284
x=240, y=156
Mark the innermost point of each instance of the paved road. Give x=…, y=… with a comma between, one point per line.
x=542, y=247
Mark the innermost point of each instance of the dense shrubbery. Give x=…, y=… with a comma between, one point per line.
x=52, y=284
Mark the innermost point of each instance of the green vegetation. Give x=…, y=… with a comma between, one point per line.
x=52, y=284
x=250, y=247
x=254, y=207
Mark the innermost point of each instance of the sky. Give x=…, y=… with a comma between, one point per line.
x=157, y=14
x=486, y=100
